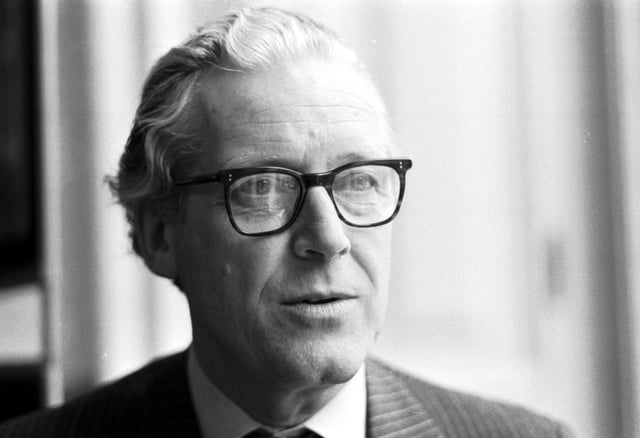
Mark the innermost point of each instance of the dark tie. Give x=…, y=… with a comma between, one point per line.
x=302, y=433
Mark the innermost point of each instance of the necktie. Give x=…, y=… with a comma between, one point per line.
x=301, y=433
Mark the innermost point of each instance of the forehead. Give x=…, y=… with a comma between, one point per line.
x=326, y=110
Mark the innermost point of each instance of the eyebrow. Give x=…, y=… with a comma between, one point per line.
x=264, y=160
x=254, y=159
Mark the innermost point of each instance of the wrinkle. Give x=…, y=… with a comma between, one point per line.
x=313, y=106
x=306, y=121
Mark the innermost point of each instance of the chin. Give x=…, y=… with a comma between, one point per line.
x=339, y=373
x=314, y=365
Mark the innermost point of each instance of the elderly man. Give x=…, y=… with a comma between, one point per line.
x=260, y=176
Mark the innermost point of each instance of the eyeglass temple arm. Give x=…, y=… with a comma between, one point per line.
x=195, y=180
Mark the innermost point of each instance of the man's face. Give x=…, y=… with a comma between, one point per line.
x=251, y=298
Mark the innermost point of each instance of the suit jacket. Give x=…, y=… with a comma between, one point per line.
x=155, y=402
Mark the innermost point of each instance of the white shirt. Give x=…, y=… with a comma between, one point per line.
x=344, y=416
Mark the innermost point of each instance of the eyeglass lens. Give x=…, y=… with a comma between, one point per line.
x=363, y=195
x=263, y=202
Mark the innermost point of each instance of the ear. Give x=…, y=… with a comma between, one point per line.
x=156, y=244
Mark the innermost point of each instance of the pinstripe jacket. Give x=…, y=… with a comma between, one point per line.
x=154, y=402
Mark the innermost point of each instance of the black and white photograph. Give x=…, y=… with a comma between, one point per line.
x=457, y=254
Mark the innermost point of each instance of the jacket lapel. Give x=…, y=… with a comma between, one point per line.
x=392, y=410
x=169, y=410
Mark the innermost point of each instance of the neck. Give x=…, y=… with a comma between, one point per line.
x=267, y=400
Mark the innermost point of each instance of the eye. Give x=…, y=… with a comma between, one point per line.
x=360, y=182
x=257, y=185
x=356, y=182
x=263, y=186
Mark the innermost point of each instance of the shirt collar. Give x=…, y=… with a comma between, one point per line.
x=343, y=417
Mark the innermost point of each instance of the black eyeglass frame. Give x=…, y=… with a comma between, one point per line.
x=226, y=177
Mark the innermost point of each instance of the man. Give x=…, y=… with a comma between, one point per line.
x=260, y=176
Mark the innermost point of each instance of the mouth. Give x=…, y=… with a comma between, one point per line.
x=318, y=299
x=321, y=309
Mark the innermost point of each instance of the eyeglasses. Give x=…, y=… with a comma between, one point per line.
x=267, y=200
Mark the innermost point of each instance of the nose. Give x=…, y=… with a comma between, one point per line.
x=318, y=231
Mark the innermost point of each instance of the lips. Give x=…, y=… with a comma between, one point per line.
x=324, y=311
x=318, y=298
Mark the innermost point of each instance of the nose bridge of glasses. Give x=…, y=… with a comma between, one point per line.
x=323, y=179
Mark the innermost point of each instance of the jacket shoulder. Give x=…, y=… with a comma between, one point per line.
x=115, y=409
x=463, y=415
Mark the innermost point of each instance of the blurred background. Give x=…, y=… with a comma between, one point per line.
x=517, y=253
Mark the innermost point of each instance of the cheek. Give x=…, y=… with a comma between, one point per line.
x=371, y=248
x=372, y=252
x=250, y=263
x=225, y=269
